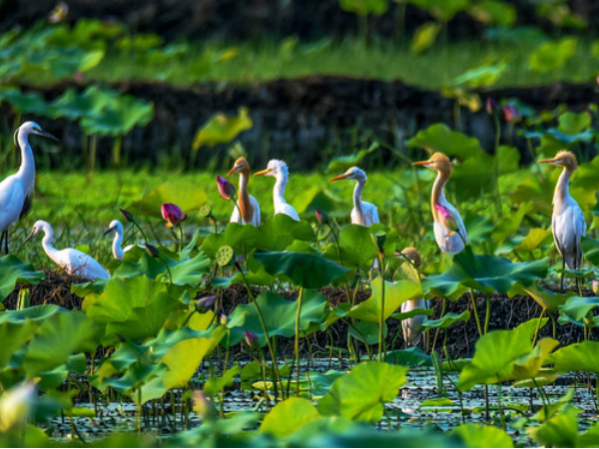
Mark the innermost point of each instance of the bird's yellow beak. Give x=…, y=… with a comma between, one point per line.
x=547, y=161
x=422, y=162
x=263, y=172
x=233, y=170
x=337, y=178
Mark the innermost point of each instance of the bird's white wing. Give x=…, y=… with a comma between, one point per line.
x=580, y=229
x=450, y=244
x=235, y=216
x=371, y=213
x=289, y=210
x=256, y=219
x=12, y=198
x=78, y=263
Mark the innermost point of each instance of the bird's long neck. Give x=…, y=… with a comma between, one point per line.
x=562, y=188
x=27, y=169
x=245, y=206
x=117, y=246
x=438, y=193
x=47, y=244
x=278, y=191
x=358, y=200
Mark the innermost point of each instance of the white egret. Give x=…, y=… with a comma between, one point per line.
x=567, y=223
x=363, y=213
x=279, y=170
x=248, y=209
x=117, y=244
x=443, y=211
x=16, y=191
x=411, y=327
x=74, y=262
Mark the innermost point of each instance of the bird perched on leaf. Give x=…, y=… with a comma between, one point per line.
x=73, y=261
x=248, y=209
x=448, y=226
x=16, y=191
x=278, y=170
x=412, y=327
x=363, y=213
x=567, y=223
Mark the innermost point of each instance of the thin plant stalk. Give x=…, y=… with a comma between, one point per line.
x=296, y=342
x=382, y=315
x=475, y=310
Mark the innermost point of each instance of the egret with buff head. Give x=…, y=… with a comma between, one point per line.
x=567, y=223
x=278, y=169
x=363, y=213
x=449, y=240
x=16, y=191
x=248, y=209
x=73, y=261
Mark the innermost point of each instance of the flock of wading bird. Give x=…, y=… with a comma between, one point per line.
x=568, y=223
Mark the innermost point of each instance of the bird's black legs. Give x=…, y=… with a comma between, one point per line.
x=4, y=238
x=1, y=240
x=563, y=271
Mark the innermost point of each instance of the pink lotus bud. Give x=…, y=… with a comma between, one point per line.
x=225, y=188
x=321, y=216
x=172, y=214
x=491, y=106
x=251, y=339
x=205, y=304
x=447, y=219
x=512, y=114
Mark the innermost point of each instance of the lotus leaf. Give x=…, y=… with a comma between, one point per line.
x=590, y=249
x=413, y=356
x=553, y=55
x=356, y=245
x=395, y=295
x=560, y=430
x=215, y=385
x=13, y=271
x=546, y=299
x=184, y=194
x=446, y=320
x=73, y=105
x=222, y=129
x=288, y=416
x=342, y=163
x=360, y=394
x=119, y=117
x=241, y=238
x=280, y=232
x=24, y=103
x=482, y=436
x=304, y=270
x=425, y=37
x=576, y=357
x=494, y=12
x=442, y=11
x=578, y=307
x=529, y=365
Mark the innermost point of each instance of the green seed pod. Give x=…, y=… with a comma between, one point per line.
x=225, y=256
x=206, y=211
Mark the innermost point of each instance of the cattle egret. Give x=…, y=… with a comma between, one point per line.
x=117, y=244
x=73, y=261
x=278, y=170
x=411, y=327
x=567, y=223
x=248, y=209
x=449, y=240
x=363, y=213
x=16, y=191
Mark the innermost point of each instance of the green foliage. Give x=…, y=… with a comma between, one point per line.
x=483, y=436
x=395, y=295
x=425, y=37
x=365, y=7
x=13, y=271
x=222, y=129
x=553, y=55
x=342, y=163
x=288, y=416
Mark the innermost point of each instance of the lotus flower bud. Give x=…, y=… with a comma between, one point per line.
x=128, y=216
x=595, y=285
x=172, y=214
x=15, y=406
x=251, y=339
x=205, y=304
x=321, y=216
x=447, y=219
x=152, y=250
x=223, y=319
x=203, y=405
x=491, y=106
x=512, y=114
x=225, y=188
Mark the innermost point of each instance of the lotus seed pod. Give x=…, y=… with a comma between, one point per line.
x=225, y=256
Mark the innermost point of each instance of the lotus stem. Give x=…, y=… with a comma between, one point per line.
x=296, y=343
x=382, y=316
x=439, y=329
x=475, y=310
x=488, y=312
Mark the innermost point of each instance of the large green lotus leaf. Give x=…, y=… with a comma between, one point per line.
x=304, y=270
x=342, y=163
x=119, y=117
x=484, y=273
x=73, y=105
x=576, y=357
x=560, y=430
x=482, y=436
x=279, y=315
x=288, y=416
x=509, y=159
x=551, y=56
x=484, y=75
x=529, y=365
x=281, y=230
x=357, y=247
x=548, y=300
x=578, y=307
x=35, y=313
x=186, y=195
x=494, y=12
x=590, y=249
x=222, y=129
x=13, y=272
x=439, y=137
x=24, y=103
x=532, y=190
x=215, y=385
x=510, y=224
x=241, y=238
x=258, y=276
x=395, y=295
x=479, y=228
x=413, y=356
x=67, y=61
x=360, y=394
x=425, y=36
x=57, y=338
x=495, y=355
x=534, y=238
x=13, y=336
x=590, y=438
x=446, y=320
x=367, y=332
